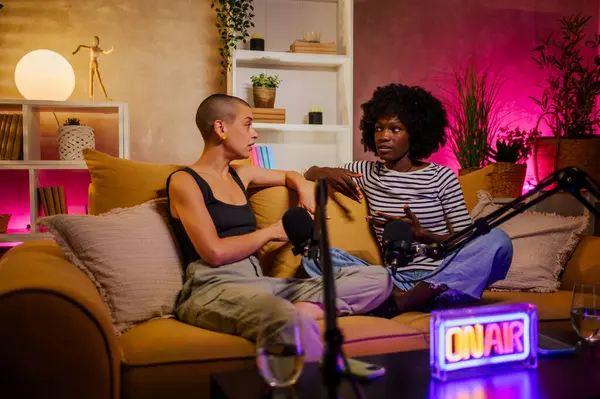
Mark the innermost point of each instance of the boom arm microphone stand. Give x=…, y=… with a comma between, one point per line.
x=333, y=336
x=570, y=179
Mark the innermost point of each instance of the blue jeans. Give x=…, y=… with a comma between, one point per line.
x=466, y=273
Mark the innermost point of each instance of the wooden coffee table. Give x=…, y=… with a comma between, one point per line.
x=408, y=376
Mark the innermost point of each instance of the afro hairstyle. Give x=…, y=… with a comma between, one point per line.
x=423, y=115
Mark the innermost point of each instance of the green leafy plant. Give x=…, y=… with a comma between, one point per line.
x=234, y=18
x=264, y=80
x=516, y=146
x=72, y=121
x=568, y=102
x=474, y=115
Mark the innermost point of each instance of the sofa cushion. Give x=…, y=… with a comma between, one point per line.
x=551, y=306
x=130, y=254
x=584, y=264
x=121, y=183
x=347, y=229
x=167, y=341
x=365, y=336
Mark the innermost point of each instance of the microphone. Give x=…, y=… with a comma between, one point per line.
x=397, y=245
x=435, y=251
x=298, y=226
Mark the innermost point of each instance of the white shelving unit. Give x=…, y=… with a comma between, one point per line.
x=275, y=58
x=33, y=164
x=308, y=80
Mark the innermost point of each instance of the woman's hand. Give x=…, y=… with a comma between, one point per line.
x=306, y=196
x=411, y=219
x=420, y=234
x=277, y=232
x=340, y=180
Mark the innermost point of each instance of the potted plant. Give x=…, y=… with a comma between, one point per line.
x=509, y=157
x=473, y=114
x=568, y=101
x=234, y=18
x=264, y=89
x=73, y=137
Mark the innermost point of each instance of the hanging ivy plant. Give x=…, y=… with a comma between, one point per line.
x=234, y=18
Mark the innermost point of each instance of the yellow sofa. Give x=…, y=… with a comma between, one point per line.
x=56, y=337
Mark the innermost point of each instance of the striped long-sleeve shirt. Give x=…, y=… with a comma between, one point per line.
x=432, y=193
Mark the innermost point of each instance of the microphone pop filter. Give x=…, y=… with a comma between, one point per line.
x=298, y=226
x=395, y=232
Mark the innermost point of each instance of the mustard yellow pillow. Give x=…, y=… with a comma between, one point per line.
x=473, y=182
x=122, y=183
x=348, y=229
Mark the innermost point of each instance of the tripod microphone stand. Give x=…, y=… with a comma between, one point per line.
x=569, y=179
x=333, y=336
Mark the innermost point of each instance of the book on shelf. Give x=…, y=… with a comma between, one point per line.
x=52, y=199
x=11, y=136
x=262, y=156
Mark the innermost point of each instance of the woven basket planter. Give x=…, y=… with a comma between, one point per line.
x=72, y=139
x=580, y=153
x=508, y=179
x=4, y=218
x=264, y=97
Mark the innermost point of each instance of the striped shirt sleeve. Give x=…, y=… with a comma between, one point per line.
x=362, y=167
x=452, y=200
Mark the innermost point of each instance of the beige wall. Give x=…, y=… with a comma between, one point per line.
x=165, y=62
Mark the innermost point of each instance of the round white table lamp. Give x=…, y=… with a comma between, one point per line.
x=45, y=75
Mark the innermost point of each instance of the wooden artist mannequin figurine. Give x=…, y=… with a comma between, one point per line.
x=95, y=50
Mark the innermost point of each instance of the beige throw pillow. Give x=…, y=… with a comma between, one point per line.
x=131, y=256
x=542, y=244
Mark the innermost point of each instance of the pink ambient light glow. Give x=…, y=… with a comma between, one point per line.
x=14, y=196
x=14, y=199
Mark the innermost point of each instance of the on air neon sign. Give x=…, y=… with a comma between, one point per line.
x=480, y=339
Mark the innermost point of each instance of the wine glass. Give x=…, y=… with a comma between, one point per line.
x=585, y=312
x=280, y=351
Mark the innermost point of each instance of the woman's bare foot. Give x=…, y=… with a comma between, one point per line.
x=417, y=297
x=313, y=310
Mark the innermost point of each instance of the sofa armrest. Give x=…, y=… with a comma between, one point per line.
x=56, y=336
x=584, y=264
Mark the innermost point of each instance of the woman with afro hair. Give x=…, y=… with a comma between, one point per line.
x=404, y=125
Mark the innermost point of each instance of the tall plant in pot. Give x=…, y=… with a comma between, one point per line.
x=474, y=116
x=509, y=157
x=264, y=90
x=73, y=137
x=568, y=101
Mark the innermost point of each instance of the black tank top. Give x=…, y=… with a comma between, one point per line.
x=230, y=220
